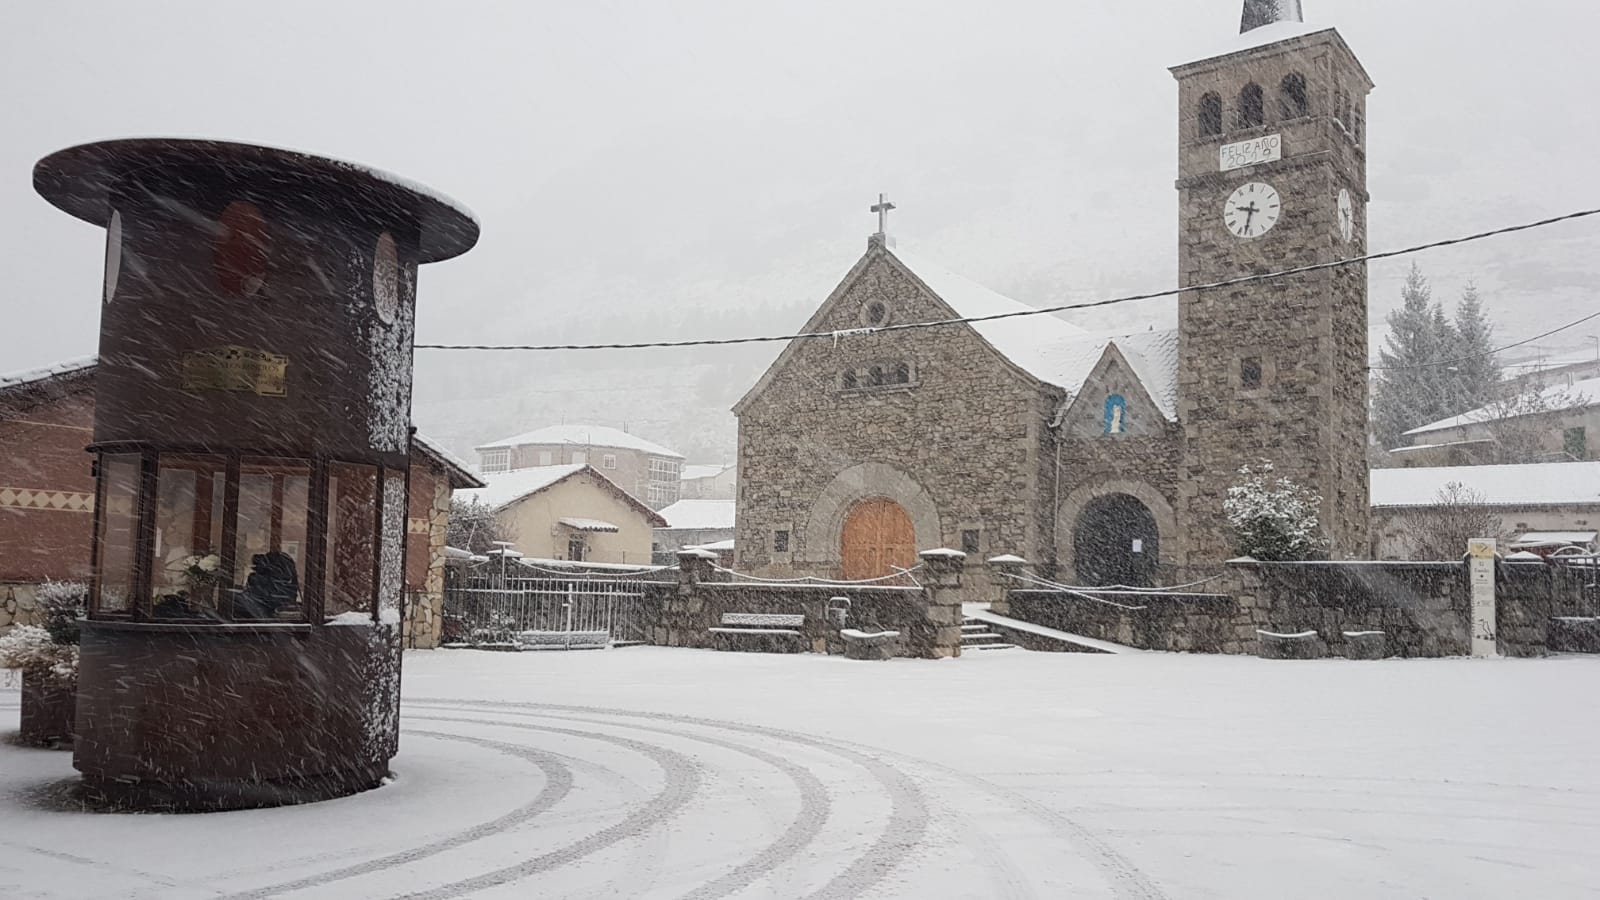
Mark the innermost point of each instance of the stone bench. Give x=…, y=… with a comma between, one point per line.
x=760, y=632
x=1299, y=645
x=563, y=640
x=875, y=645
x=1574, y=634
x=1365, y=645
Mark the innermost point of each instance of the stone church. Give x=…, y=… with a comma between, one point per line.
x=1102, y=457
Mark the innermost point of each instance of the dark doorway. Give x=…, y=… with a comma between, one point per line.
x=1116, y=542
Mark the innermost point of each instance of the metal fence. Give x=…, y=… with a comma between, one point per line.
x=547, y=611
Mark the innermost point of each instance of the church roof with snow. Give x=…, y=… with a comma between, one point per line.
x=1051, y=349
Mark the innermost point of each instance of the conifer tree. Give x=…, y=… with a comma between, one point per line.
x=1411, y=390
x=1477, y=372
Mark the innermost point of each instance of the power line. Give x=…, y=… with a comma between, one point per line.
x=1459, y=359
x=967, y=320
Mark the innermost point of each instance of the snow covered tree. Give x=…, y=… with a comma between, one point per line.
x=1477, y=372
x=474, y=527
x=1273, y=519
x=1441, y=531
x=1412, y=387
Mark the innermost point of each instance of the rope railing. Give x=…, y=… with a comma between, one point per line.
x=1081, y=594
x=825, y=582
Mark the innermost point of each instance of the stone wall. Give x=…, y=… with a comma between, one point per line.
x=1423, y=609
x=425, y=607
x=17, y=606
x=928, y=618
x=1184, y=623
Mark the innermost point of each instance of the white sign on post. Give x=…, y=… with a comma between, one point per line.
x=1480, y=555
x=1248, y=153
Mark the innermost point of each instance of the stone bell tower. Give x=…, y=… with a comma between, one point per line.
x=1272, y=175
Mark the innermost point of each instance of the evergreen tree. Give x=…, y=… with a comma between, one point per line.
x=1477, y=373
x=1411, y=390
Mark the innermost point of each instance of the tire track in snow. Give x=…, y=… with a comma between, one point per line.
x=682, y=782
x=808, y=822
x=1126, y=880
x=908, y=818
x=558, y=783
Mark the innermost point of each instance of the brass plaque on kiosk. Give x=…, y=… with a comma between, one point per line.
x=235, y=368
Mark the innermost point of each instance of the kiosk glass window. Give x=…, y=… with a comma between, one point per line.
x=269, y=544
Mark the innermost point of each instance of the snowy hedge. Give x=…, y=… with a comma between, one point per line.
x=1273, y=519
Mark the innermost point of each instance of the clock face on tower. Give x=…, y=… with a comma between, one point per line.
x=1252, y=210
x=1347, y=216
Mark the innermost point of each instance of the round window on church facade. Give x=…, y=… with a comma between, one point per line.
x=875, y=313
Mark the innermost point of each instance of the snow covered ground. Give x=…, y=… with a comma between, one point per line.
x=649, y=772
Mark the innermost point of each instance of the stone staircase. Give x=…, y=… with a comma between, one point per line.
x=975, y=635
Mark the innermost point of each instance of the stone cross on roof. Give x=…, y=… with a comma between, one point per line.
x=1265, y=12
x=882, y=208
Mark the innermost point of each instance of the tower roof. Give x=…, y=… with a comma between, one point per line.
x=1258, y=13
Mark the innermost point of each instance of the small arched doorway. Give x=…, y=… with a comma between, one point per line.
x=1116, y=542
x=877, y=538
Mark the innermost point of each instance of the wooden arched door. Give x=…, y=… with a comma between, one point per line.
x=877, y=538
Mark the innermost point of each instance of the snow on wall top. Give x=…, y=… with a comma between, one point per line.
x=1556, y=397
x=699, y=514
x=507, y=487
x=65, y=367
x=1535, y=484
x=584, y=436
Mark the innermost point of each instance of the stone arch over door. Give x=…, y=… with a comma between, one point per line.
x=825, y=527
x=1072, y=509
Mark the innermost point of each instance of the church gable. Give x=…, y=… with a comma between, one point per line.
x=882, y=291
x=1114, y=400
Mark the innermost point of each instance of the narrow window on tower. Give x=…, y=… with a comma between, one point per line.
x=1293, y=103
x=1250, y=373
x=970, y=541
x=1210, y=115
x=780, y=541
x=1252, y=107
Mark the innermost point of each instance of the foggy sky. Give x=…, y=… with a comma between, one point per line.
x=704, y=155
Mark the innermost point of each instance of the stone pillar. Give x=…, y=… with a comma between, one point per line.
x=681, y=613
x=1007, y=570
x=941, y=636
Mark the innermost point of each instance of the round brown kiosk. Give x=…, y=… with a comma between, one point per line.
x=251, y=441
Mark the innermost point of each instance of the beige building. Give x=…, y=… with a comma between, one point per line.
x=643, y=468
x=569, y=512
x=1556, y=424
x=1532, y=502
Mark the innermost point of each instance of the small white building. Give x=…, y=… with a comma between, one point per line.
x=709, y=482
x=1533, y=502
x=693, y=523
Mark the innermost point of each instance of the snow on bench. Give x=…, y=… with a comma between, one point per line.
x=760, y=632
x=760, y=623
x=563, y=640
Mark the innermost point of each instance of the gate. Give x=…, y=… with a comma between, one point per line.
x=549, y=611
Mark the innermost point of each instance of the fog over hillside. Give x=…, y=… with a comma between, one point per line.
x=704, y=168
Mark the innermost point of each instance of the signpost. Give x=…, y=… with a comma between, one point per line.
x=1480, y=554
